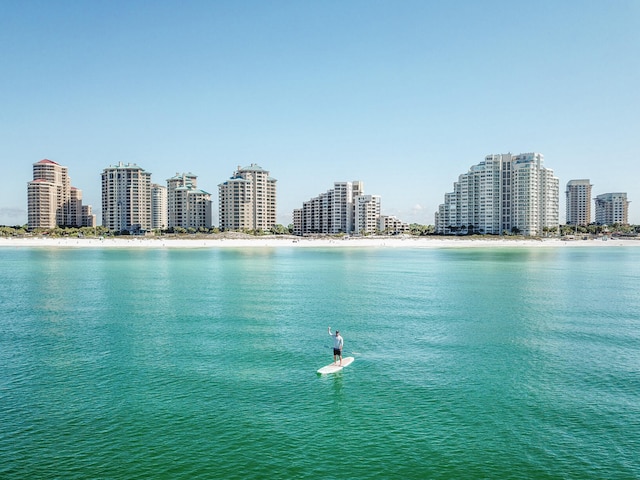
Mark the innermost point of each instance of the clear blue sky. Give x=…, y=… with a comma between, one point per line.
x=403, y=95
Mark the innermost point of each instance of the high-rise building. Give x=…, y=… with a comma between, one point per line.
x=578, y=202
x=75, y=206
x=504, y=193
x=297, y=221
x=188, y=206
x=52, y=201
x=612, y=208
x=342, y=209
x=88, y=217
x=126, y=198
x=367, y=214
x=159, y=207
x=42, y=204
x=247, y=201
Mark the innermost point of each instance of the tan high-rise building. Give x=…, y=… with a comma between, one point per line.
x=159, y=207
x=126, y=198
x=188, y=206
x=578, y=202
x=51, y=200
x=42, y=204
x=247, y=201
x=88, y=217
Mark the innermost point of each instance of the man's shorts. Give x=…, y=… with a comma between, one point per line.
x=336, y=351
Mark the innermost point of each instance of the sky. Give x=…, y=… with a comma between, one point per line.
x=402, y=95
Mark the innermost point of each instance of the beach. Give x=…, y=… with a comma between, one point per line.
x=224, y=241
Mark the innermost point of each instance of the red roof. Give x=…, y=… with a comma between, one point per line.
x=46, y=160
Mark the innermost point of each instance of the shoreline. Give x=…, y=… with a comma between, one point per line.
x=305, y=242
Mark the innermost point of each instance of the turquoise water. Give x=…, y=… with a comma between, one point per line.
x=181, y=364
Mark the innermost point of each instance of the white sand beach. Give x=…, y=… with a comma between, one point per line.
x=223, y=241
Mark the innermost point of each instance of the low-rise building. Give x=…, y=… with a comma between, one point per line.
x=392, y=225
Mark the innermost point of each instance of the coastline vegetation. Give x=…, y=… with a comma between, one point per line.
x=416, y=230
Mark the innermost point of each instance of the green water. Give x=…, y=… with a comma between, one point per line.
x=470, y=363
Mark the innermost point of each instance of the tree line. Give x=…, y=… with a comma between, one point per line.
x=415, y=229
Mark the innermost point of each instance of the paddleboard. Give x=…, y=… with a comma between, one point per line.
x=334, y=367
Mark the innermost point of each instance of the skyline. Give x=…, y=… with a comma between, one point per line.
x=402, y=96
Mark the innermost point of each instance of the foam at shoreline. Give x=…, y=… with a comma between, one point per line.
x=302, y=242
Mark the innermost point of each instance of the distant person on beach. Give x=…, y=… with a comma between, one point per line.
x=338, y=342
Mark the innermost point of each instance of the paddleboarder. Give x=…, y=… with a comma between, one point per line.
x=338, y=342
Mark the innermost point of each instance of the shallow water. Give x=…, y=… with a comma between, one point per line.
x=201, y=363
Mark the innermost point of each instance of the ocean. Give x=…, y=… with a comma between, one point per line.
x=474, y=363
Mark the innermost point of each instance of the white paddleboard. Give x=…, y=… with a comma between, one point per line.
x=335, y=367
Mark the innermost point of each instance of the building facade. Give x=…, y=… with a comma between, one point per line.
x=159, y=207
x=578, y=202
x=88, y=217
x=367, y=214
x=331, y=212
x=247, y=201
x=188, y=206
x=392, y=225
x=42, y=204
x=52, y=201
x=504, y=193
x=80, y=215
x=343, y=209
x=126, y=198
x=612, y=208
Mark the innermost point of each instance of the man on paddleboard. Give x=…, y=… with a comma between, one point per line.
x=338, y=342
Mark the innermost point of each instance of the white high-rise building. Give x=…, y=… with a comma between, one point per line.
x=188, y=206
x=578, y=198
x=612, y=208
x=126, y=198
x=367, y=214
x=331, y=212
x=247, y=201
x=504, y=193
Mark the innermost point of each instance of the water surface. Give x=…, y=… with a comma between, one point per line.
x=200, y=363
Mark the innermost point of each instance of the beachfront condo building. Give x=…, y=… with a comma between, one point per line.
x=578, y=202
x=88, y=217
x=392, y=225
x=503, y=194
x=188, y=206
x=52, y=201
x=367, y=214
x=612, y=208
x=343, y=209
x=159, y=207
x=330, y=212
x=126, y=198
x=247, y=201
x=80, y=215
